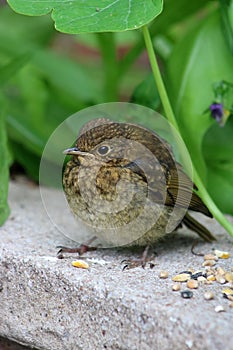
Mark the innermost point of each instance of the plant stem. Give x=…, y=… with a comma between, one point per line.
x=158, y=78
x=171, y=118
x=110, y=65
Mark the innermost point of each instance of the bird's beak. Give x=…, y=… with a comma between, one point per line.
x=82, y=156
x=74, y=151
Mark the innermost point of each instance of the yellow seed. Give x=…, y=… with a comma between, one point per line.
x=221, y=254
x=209, y=263
x=182, y=277
x=229, y=276
x=163, y=274
x=210, y=257
x=221, y=271
x=192, y=284
x=228, y=293
x=209, y=295
x=220, y=279
x=210, y=271
x=80, y=264
x=211, y=278
x=176, y=287
x=209, y=282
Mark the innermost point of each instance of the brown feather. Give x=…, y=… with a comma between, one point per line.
x=193, y=225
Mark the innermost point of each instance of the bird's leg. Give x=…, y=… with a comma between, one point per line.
x=83, y=248
x=131, y=263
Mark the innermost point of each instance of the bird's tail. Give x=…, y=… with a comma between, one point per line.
x=194, y=225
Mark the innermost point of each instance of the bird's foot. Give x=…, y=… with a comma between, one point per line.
x=141, y=262
x=132, y=263
x=83, y=248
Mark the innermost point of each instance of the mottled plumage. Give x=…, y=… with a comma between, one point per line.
x=123, y=182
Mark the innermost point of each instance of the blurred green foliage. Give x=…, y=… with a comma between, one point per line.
x=44, y=78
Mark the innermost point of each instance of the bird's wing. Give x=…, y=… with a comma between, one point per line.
x=195, y=226
x=180, y=190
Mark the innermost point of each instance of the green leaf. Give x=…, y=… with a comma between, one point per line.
x=146, y=93
x=40, y=97
x=4, y=173
x=220, y=175
x=21, y=131
x=197, y=62
x=226, y=8
x=175, y=12
x=218, y=141
x=36, y=31
x=29, y=161
x=80, y=16
x=72, y=79
x=217, y=148
x=8, y=70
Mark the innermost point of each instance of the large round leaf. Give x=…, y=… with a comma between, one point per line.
x=81, y=16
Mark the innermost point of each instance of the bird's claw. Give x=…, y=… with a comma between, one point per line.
x=132, y=263
x=83, y=248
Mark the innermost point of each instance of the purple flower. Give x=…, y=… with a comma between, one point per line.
x=216, y=110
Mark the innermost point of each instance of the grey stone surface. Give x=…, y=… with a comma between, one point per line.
x=46, y=303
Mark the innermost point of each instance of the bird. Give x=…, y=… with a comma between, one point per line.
x=123, y=182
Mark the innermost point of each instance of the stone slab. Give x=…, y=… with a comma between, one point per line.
x=46, y=303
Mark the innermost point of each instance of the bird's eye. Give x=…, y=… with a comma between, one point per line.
x=102, y=150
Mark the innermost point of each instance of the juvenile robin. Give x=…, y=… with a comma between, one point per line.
x=123, y=182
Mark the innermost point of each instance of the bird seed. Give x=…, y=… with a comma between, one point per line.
x=208, y=296
x=182, y=277
x=221, y=254
x=192, y=284
x=176, y=287
x=187, y=294
x=219, y=308
x=80, y=264
x=163, y=274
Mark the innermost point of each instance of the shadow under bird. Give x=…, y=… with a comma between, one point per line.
x=124, y=183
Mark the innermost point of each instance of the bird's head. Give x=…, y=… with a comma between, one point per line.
x=102, y=140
